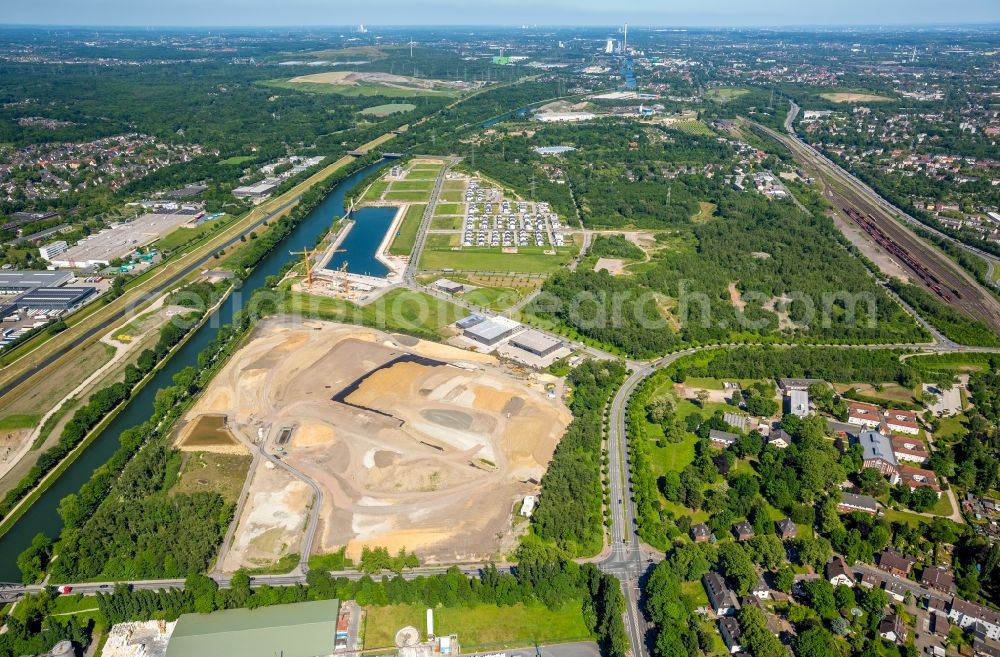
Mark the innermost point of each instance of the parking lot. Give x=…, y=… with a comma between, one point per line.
x=506, y=224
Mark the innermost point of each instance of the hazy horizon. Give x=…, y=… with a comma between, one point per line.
x=490, y=13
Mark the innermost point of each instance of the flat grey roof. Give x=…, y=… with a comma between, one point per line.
x=25, y=280
x=53, y=297
x=492, y=328
x=536, y=340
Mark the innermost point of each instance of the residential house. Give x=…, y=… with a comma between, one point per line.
x=700, y=533
x=864, y=415
x=786, y=529
x=938, y=578
x=871, y=580
x=838, y=573
x=902, y=421
x=967, y=614
x=909, y=449
x=761, y=590
x=876, y=452
x=892, y=628
x=720, y=596
x=939, y=624
x=850, y=502
x=914, y=478
x=743, y=531
x=779, y=438
x=722, y=439
x=729, y=628
x=893, y=562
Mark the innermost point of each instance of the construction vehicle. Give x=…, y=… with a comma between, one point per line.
x=345, y=284
x=307, y=255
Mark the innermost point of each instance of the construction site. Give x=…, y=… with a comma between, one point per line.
x=405, y=443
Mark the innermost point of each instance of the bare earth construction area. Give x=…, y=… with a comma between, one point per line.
x=413, y=444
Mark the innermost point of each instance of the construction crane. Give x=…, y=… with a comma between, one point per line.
x=345, y=285
x=307, y=255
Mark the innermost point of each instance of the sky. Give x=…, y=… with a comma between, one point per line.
x=497, y=12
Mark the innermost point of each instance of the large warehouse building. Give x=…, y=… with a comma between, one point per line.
x=304, y=629
x=16, y=281
x=536, y=342
x=491, y=331
x=53, y=298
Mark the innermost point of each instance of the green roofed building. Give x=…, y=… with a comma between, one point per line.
x=304, y=629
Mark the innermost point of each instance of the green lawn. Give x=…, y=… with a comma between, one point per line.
x=182, y=236
x=414, y=197
x=447, y=223
x=952, y=428
x=437, y=241
x=375, y=192
x=236, y=159
x=406, y=235
x=673, y=456
x=706, y=211
x=693, y=128
x=449, y=208
x=399, y=310
x=411, y=185
x=454, y=186
x=482, y=626
x=389, y=108
x=725, y=94
x=473, y=259
x=20, y=421
x=457, y=196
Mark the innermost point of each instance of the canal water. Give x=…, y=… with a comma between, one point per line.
x=362, y=242
x=42, y=517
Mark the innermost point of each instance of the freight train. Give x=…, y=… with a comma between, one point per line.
x=867, y=223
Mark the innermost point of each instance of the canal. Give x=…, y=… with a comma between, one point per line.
x=43, y=517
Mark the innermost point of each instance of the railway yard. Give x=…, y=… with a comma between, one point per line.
x=933, y=269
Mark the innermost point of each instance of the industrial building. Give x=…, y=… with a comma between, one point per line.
x=492, y=331
x=304, y=629
x=50, y=251
x=122, y=239
x=53, y=298
x=798, y=403
x=17, y=281
x=257, y=190
x=536, y=342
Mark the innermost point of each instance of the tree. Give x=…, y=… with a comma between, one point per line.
x=874, y=601
x=814, y=642
x=821, y=597
x=784, y=579
x=871, y=482
x=702, y=397
x=738, y=566
x=813, y=552
x=767, y=550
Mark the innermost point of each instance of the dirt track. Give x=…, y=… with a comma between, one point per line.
x=430, y=457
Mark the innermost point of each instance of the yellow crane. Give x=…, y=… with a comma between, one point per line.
x=307, y=255
x=345, y=285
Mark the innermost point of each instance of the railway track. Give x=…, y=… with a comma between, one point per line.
x=931, y=267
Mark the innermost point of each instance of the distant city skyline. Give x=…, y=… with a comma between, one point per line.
x=316, y=13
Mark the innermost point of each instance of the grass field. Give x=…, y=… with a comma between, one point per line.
x=181, y=236
x=388, y=109
x=453, y=186
x=409, y=196
x=706, y=211
x=402, y=244
x=236, y=159
x=456, y=196
x=436, y=241
x=448, y=208
x=482, y=626
x=411, y=185
x=364, y=89
x=473, y=259
x=952, y=428
x=399, y=310
x=375, y=191
x=215, y=473
x=693, y=128
x=19, y=421
x=725, y=94
x=447, y=223
x=854, y=97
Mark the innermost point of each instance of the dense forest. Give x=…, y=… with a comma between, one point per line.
x=743, y=280
x=569, y=508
